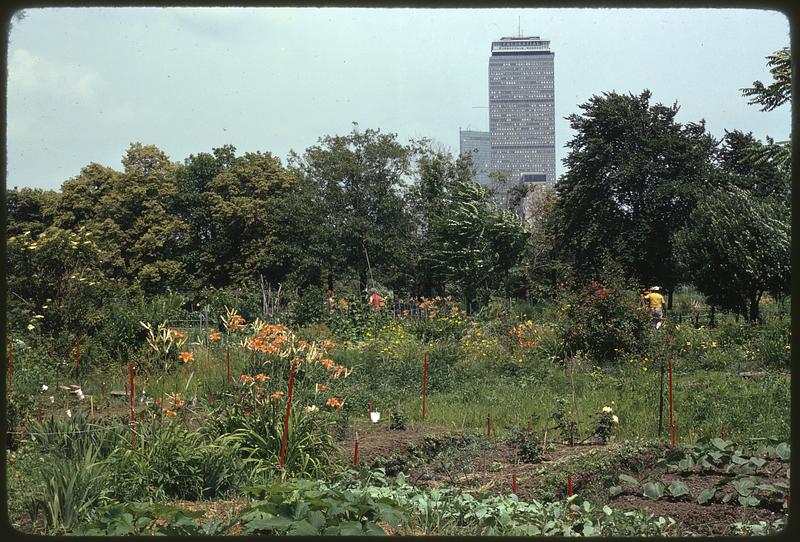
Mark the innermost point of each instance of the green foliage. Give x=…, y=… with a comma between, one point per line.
x=737, y=248
x=397, y=421
x=779, y=91
x=18, y=407
x=147, y=519
x=528, y=445
x=631, y=172
x=309, y=508
x=603, y=319
x=173, y=462
x=72, y=488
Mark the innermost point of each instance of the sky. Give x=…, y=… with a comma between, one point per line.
x=85, y=83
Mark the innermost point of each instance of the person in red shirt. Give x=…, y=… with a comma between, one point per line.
x=375, y=299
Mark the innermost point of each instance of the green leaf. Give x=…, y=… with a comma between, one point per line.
x=739, y=460
x=351, y=528
x=373, y=529
x=678, y=488
x=630, y=479
x=783, y=450
x=302, y=528
x=653, y=490
x=706, y=495
x=614, y=490
x=276, y=523
x=758, y=461
x=744, y=487
x=719, y=443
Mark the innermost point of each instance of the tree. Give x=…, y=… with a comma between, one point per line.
x=633, y=174
x=30, y=209
x=360, y=178
x=740, y=162
x=771, y=97
x=437, y=173
x=475, y=244
x=779, y=91
x=736, y=247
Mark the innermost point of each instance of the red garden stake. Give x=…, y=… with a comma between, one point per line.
x=355, y=451
x=671, y=418
x=569, y=492
x=530, y=429
x=488, y=425
x=133, y=419
x=424, y=383
x=286, y=419
x=514, y=483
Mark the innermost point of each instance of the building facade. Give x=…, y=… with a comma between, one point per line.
x=479, y=145
x=522, y=110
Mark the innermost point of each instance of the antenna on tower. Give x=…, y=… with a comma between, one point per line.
x=519, y=26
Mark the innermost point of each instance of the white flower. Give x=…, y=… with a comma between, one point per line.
x=69, y=413
x=375, y=417
x=607, y=409
x=31, y=327
x=311, y=408
x=614, y=418
x=52, y=399
x=39, y=316
x=44, y=387
x=80, y=395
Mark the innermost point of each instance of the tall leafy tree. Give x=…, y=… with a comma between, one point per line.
x=633, y=174
x=30, y=209
x=736, y=247
x=360, y=178
x=475, y=244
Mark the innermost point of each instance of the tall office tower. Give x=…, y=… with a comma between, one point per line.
x=479, y=145
x=522, y=110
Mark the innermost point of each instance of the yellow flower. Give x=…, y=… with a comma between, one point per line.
x=614, y=419
x=788, y=347
x=31, y=327
x=644, y=369
x=607, y=409
x=713, y=344
x=311, y=408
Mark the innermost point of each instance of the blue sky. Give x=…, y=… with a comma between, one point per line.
x=84, y=83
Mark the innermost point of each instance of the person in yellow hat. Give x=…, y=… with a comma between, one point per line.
x=656, y=302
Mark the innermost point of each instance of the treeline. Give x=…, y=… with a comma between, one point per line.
x=644, y=197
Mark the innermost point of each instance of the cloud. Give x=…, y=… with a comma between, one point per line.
x=32, y=74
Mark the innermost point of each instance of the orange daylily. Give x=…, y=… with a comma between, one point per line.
x=276, y=396
x=327, y=362
x=246, y=378
x=216, y=336
x=333, y=402
x=328, y=344
x=261, y=377
x=260, y=389
x=319, y=388
x=186, y=357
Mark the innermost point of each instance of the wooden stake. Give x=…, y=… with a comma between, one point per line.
x=530, y=430
x=488, y=425
x=514, y=482
x=671, y=415
x=10, y=362
x=133, y=419
x=369, y=408
x=355, y=451
x=286, y=418
x=424, y=383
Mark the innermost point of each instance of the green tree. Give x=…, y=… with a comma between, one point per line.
x=778, y=92
x=30, y=209
x=633, y=174
x=437, y=173
x=475, y=244
x=736, y=247
x=360, y=178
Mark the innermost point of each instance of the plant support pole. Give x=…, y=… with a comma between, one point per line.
x=488, y=425
x=10, y=362
x=133, y=419
x=286, y=418
x=671, y=416
x=514, y=483
x=424, y=383
x=661, y=402
x=355, y=451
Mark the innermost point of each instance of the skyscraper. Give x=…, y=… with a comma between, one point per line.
x=522, y=110
x=471, y=141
